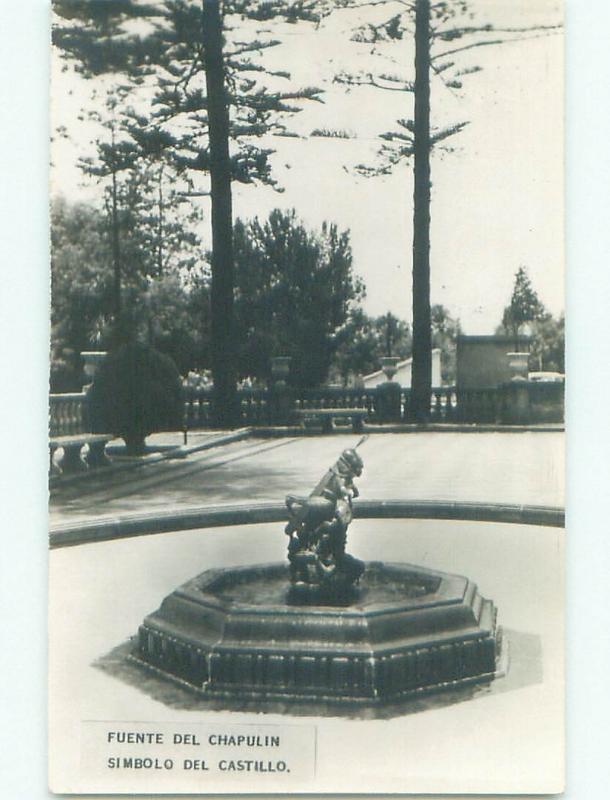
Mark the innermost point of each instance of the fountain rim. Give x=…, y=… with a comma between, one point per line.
x=201, y=517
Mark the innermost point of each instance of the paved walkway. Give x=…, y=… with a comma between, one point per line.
x=522, y=468
x=100, y=592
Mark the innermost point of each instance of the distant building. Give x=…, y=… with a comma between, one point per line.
x=482, y=361
x=403, y=373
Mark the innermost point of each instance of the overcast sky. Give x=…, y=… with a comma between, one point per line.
x=497, y=200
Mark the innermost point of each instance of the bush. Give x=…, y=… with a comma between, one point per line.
x=136, y=391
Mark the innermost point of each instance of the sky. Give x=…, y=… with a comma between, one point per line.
x=497, y=199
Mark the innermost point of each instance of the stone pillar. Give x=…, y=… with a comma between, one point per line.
x=96, y=455
x=72, y=461
x=388, y=393
x=387, y=405
x=280, y=394
x=516, y=398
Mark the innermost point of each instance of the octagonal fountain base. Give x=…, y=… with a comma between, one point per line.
x=238, y=634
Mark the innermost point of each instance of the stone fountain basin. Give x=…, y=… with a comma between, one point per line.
x=236, y=634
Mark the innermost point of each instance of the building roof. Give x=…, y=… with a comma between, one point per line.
x=405, y=362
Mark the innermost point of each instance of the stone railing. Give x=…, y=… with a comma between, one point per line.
x=69, y=436
x=480, y=405
x=450, y=405
x=254, y=407
x=336, y=397
x=527, y=402
x=443, y=405
x=197, y=407
x=546, y=401
x=67, y=414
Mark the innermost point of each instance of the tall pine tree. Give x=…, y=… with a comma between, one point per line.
x=205, y=99
x=440, y=31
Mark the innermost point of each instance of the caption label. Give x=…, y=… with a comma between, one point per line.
x=191, y=754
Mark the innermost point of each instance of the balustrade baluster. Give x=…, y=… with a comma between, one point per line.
x=437, y=412
x=66, y=414
x=450, y=408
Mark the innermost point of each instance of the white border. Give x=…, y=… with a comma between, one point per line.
x=24, y=336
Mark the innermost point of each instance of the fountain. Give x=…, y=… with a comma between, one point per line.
x=326, y=627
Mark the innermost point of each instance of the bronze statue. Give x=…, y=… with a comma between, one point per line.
x=318, y=529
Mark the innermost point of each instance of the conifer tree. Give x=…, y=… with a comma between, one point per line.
x=547, y=334
x=441, y=31
x=525, y=306
x=149, y=229
x=208, y=100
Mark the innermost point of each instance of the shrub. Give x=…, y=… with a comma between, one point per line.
x=136, y=391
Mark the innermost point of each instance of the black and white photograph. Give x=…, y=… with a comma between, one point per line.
x=306, y=397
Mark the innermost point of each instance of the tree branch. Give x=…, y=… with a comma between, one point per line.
x=457, y=33
x=488, y=42
x=369, y=80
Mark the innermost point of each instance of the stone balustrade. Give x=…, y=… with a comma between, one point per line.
x=69, y=432
x=536, y=403
x=67, y=414
x=336, y=397
x=254, y=407
x=197, y=407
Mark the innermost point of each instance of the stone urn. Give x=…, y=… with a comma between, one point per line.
x=518, y=366
x=92, y=360
x=280, y=369
x=389, y=366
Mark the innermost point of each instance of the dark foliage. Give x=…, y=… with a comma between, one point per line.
x=294, y=291
x=210, y=87
x=81, y=289
x=526, y=313
x=167, y=308
x=137, y=391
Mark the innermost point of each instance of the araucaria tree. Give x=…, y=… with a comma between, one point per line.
x=199, y=93
x=151, y=233
x=441, y=32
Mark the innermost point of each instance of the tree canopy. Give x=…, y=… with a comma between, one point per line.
x=168, y=311
x=441, y=32
x=547, y=334
x=294, y=291
x=364, y=340
x=525, y=306
x=209, y=100
x=81, y=288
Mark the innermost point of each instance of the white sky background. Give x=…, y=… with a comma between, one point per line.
x=497, y=200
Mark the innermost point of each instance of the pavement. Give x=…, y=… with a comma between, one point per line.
x=504, y=738
x=507, y=738
x=510, y=467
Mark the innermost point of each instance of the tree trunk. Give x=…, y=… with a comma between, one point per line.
x=222, y=314
x=421, y=378
x=116, y=256
x=161, y=224
x=135, y=444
